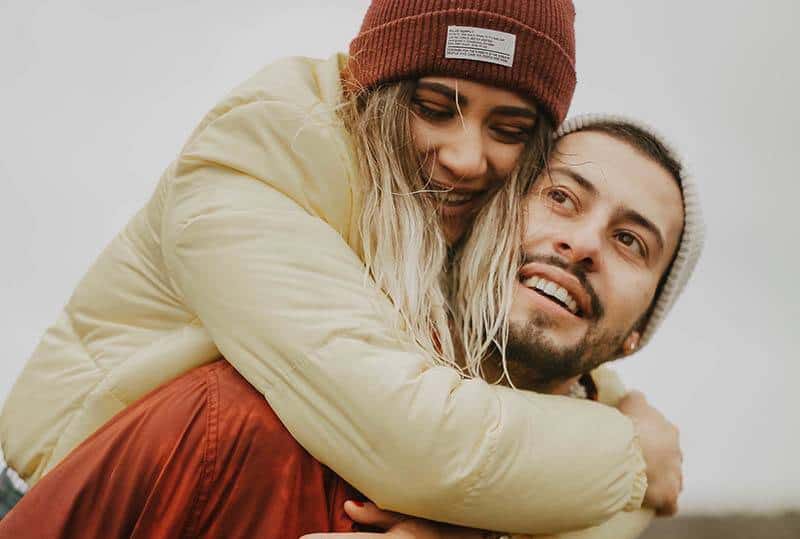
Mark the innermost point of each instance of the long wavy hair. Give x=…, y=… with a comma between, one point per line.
x=487, y=264
x=440, y=293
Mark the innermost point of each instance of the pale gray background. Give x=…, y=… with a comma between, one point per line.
x=98, y=96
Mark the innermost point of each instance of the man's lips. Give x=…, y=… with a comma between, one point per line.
x=559, y=286
x=553, y=292
x=542, y=303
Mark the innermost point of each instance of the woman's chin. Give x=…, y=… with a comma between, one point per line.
x=453, y=230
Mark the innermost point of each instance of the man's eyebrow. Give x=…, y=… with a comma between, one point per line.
x=577, y=178
x=633, y=216
x=443, y=89
x=623, y=214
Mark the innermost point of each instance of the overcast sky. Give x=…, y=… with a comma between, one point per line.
x=98, y=97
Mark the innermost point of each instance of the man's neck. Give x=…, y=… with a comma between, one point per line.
x=525, y=377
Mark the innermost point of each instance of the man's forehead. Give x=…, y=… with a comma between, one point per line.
x=616, y=169
x=600, y=154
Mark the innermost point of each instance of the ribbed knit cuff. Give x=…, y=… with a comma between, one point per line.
x=639, y=486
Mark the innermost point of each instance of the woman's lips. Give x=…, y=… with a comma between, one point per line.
x=456, y=202
x=462, y=209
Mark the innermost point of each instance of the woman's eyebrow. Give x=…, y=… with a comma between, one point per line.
x=507, y=110
x=444, y=90
x=462, y=100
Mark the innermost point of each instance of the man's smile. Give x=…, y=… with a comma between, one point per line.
x=554, y=292
x=558, y=287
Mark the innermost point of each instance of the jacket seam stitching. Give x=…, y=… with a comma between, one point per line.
x=209, y=457
x=491, y=451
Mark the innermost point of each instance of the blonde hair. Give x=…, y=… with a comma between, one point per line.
x=405, y=250
x=488, y=263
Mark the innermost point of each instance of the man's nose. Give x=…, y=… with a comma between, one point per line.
x=581, y=245
x=464, y=154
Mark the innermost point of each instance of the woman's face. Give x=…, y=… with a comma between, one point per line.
x=469, y=137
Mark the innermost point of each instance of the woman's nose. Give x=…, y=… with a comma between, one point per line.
x=464, y=154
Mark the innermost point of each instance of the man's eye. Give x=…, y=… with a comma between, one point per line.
x=432, y=111
x=632, y=242
x=560, y=198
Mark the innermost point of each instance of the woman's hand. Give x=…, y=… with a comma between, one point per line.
x=659, y=440
x=398, y=526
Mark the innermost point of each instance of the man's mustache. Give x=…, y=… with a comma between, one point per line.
x=577, y=271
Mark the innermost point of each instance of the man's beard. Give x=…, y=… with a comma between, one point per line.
x=535, y=361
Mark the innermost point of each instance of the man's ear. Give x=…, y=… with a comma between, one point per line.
x=631, y=343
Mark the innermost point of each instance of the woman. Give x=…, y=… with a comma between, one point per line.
x=294, y=236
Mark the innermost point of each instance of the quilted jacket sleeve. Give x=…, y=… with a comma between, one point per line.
x=257, y=253
x=625, y=524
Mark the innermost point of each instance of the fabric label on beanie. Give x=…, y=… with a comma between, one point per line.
x=480, y=44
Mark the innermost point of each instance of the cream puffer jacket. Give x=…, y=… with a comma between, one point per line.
x=249, y=248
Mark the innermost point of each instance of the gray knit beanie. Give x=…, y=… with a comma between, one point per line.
x=693, y=236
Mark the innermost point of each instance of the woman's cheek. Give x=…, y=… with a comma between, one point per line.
x=507, y=161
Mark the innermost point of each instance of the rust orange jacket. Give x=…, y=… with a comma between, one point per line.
x=204, y=456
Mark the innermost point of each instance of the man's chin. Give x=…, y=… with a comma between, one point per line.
x=549, y=354
x=543, y=351
x=549, y=334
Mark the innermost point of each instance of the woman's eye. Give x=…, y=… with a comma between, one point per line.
x=560, y=198
x=432, y=111
x=512, y=134
x=630, y=241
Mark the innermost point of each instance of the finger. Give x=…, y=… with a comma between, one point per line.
x=668, y=509
x=636, y=396
x=670, y=505
x=370, y=514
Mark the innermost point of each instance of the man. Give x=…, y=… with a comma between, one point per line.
x=608, y=246
x=604, y=226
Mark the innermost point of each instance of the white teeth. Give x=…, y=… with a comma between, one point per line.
x=572, y=306
x=552, y=289
x=562, y=294
x=453, y=198
x=531, y=282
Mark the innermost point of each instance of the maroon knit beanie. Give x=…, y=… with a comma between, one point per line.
x=527, y=46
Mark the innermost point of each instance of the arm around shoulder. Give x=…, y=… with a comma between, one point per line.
x=254, y=247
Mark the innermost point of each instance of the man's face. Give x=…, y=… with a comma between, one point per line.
x=601, y=229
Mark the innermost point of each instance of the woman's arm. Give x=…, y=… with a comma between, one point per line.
x=287, y=302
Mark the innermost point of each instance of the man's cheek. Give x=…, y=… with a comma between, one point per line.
x=637, y=296
x=541, y=223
